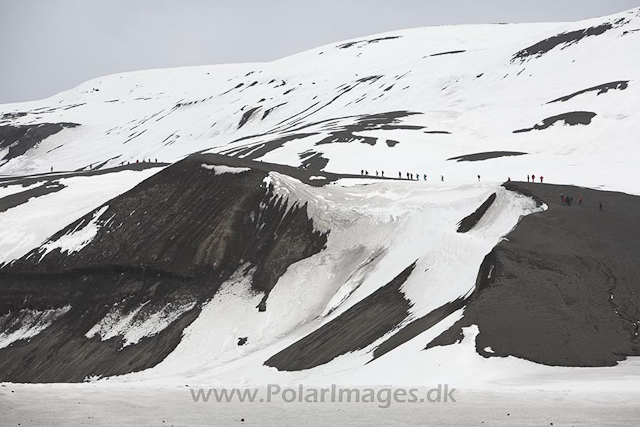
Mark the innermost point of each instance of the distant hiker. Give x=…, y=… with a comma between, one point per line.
x=400, y=175
x=478, y=178
x=528, y=178
x=361, y=171
x=425, y=176
x=376, y=173
x=417, y=177
x=601, y=207
x=580, y=201
x=136, y=160
x=541, y=179
x=442, y=178
x=407, y=175
x=569, y=200
x=508, y=179
x=51, y=168
x=562, y=197
x=383, y=174
x=533, y=178
x=156, y=160
x=366, y=173
x=411, y=175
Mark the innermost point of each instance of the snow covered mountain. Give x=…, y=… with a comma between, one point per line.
x=212, y=223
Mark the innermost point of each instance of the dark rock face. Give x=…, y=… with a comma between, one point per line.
x=20, y=139
x=564, y=288
x=600, y=89
x=353, y=330
x=477, y=157
x=170, y=242
x=572, y=119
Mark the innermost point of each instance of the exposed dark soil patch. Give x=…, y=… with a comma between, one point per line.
x=600, y=89
x=470, y=221
x=476, y=157
x=355, y=329
x=571, y=119
x=565, y=288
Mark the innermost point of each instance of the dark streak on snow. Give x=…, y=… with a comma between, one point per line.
x=18, y=199
x=452, y=52
x=566, y=39
x=476, y=157
x=467, y=223
x=572, y=119
x=601, y=89
x=361, y=43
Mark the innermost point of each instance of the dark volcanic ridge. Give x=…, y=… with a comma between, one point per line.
x=564, y=287
x=169, y=242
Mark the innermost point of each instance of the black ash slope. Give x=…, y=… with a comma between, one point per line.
x=172, y=240
x=564, y=287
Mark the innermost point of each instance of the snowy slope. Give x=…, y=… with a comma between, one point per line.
x=478, y=83
x=558, y=100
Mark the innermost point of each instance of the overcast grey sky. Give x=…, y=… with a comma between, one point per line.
x=52, y=45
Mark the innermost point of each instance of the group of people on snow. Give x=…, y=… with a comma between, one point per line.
x=532, y=178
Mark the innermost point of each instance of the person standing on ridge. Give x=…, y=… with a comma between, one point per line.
x=400, y=175
x=425, y=176
x=601, y=207
x=361, y=171
x=533, y=178
x=478, y=178
x=442, y=178
x=541, y=179
x=376, y=173
x=383, y=174
x=528, y=178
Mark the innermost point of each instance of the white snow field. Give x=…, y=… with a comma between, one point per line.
x=405, y=101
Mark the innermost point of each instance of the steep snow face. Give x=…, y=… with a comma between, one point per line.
x=403, y=101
